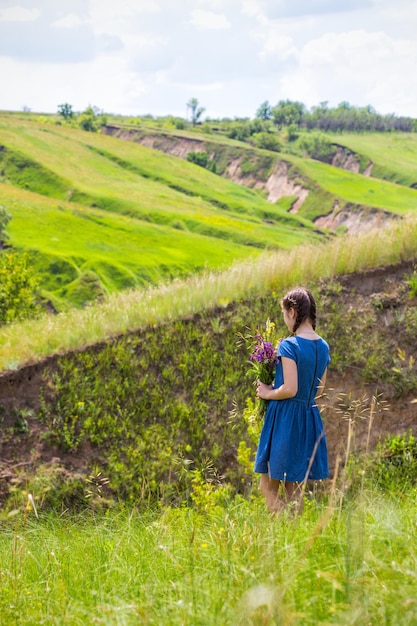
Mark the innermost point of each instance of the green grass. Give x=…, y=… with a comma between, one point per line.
x=135, y=175
x=360, y=190
x=93, y=238
x=140, y=308
x=232, y=564
x=349, y=559
x=328, y=184
x=98, y=214
x=394, y=155
x=128, y=213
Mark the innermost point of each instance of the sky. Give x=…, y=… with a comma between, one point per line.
x=138, y=57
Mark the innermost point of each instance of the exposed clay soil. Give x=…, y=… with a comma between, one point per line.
x=279, y=184
x=353, y=219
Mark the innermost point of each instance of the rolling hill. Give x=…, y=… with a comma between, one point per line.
x=321, y=188
x=89, y=208
x=130, y=394
x=99, y=213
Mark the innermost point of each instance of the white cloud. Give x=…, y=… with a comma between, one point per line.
x=208, y=20
x=152, y=56
x=69, y=21
x=18, y=14
x=252, y=8
x=278, y=9
x=276, y=44
x=106, y=83
x=358, y=66
x=110, y=15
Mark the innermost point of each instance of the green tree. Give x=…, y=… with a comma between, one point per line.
x=264, y=111
x=288, y=112
x=196, y=110
x=66, y=111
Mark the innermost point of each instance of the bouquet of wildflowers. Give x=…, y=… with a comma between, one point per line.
x=262, y=347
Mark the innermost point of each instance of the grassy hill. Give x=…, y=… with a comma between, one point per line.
x=327, y=185
x=97, y=214
x=127, y=490
x=92, y=209
x=132, y=406
x=361, y=190
x=394, y=155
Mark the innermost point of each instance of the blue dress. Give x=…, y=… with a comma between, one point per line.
x=293, y=432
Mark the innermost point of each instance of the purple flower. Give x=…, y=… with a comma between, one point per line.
x=262, y=359
x=263, y=352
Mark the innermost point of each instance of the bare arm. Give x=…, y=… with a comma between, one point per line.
x=289, y=387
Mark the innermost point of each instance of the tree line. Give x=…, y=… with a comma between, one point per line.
x=343, y=117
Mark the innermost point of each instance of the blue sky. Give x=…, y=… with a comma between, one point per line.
x=136, y=57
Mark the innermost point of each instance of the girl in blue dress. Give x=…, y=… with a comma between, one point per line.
x=292, y=446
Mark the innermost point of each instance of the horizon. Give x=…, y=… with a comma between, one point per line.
x=208, y=118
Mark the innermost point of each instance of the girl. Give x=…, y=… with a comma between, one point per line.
x=292, y=446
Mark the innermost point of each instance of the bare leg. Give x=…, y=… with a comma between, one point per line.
x=293, y=495
x=270, y=489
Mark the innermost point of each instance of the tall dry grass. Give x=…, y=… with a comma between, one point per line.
x=31, y=340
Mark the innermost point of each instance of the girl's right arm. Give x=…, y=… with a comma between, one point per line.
x=289, y=387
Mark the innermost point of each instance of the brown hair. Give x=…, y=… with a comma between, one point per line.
x=303, y=302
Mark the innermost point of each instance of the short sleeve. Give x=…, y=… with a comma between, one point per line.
x=286, y=348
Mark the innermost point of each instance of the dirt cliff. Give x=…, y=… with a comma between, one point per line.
x=279, y=182
x=23, y=445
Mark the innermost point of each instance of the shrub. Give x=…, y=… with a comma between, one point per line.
x=88, y=120
x=202, y=159
x=395, y=467
x=268, y=141
x=412, y=283
x=240, y=132
x=4, y=220
x=318, y=147
x=292, y=132
x=180, y=124
x=18, y=288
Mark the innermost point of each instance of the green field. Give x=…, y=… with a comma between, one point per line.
x=394, y=155
x=361, y=190
x=98, y=214
x=228, y=566
x=82, y=202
